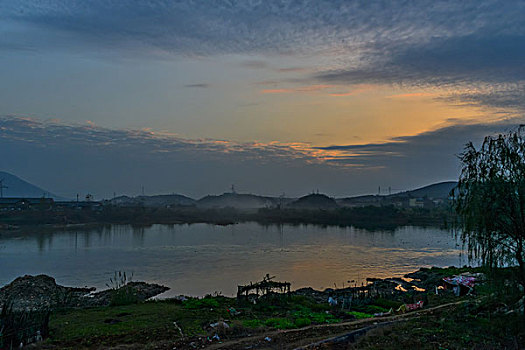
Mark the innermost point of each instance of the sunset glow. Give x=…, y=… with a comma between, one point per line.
x=312, y=87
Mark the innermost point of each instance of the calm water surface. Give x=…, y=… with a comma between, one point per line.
x=199, y=259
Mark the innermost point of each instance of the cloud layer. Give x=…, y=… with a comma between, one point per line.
x=234, y=26
x=103, y=161
x=424, y=43
x=85, y=158
x=467, y=53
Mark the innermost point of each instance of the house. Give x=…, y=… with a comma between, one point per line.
x=12, y=203
x=82, y=205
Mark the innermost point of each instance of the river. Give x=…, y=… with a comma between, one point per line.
x=198, y=259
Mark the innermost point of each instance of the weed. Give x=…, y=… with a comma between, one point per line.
x=119, y=280
x=121, y=293
x=21, y=326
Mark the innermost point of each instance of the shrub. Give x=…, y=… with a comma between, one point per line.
x=124, y=296
x=195, y=303
x=279, y=323
x=373, y=309
x=121, y=293
x=21, y=326
x=359, y=315
x=252, y=323
x=387, y=304
x=302, y=322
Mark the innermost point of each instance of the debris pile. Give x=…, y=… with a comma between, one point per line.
x=29, y=293
x=464, y=283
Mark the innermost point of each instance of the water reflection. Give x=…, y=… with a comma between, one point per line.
x=198, y=259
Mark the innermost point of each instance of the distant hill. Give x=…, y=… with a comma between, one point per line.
x=314, y=201
x=239, y=201
x=166, y=200
x=365, y=200
x=16, y=187
x=439, y=190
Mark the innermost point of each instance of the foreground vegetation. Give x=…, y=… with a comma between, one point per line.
x=471, y=325
x=489, y=319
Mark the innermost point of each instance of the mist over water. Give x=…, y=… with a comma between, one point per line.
x=201, y=258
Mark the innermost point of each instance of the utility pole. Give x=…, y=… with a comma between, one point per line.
x=2, y=186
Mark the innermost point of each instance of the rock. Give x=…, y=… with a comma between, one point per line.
x=141, y=290
x=42, y=292
x=39, y=292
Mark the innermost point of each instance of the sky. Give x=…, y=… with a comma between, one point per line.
x=274, y=96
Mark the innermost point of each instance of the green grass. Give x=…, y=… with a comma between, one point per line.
x=386, y=303
x=313, y=316
x=153, y=320
x=252, y=323
x=195, y=303
x=279, y=323
x=457, y=328
x=139, y=322
x=123, y=296
x=142, y=323
x=359, y=315
x=302, y=322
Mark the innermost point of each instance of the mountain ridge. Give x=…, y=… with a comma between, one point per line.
x=17, y=187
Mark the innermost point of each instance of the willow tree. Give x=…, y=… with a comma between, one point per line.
x=490, y=200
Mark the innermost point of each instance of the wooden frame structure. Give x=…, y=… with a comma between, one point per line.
x=264, y=287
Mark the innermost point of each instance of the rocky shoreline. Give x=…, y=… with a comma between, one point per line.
x=41, y=292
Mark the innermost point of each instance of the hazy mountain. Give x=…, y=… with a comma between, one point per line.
x=314, y=201
x=165, y=200
x=239, y=201
x=16, y=187
x=365, y=200
x=439, y=190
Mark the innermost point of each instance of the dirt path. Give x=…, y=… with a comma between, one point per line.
x=312, y=337
x=316, y=337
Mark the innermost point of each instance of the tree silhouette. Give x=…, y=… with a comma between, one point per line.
x=490, y=200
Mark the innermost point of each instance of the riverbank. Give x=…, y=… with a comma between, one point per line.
x=376, y=317
x=386, y=217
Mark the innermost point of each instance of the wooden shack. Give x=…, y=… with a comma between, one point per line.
x=265, y=287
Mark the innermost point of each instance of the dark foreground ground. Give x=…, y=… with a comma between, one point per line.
x=490, y=318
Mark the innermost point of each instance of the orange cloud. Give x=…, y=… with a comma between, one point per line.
x=358, y=90
x=302, y=89
x=414, y=94
x=276, y=91
x=350, y=93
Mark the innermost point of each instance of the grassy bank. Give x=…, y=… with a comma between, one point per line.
x=482, y=321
